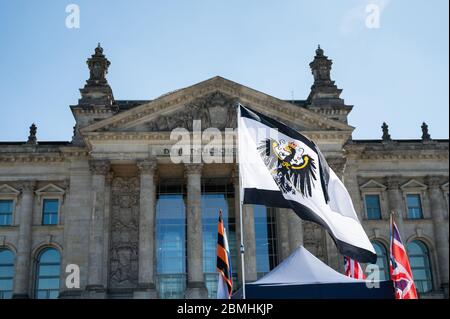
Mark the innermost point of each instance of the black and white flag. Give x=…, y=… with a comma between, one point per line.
x=280, y=167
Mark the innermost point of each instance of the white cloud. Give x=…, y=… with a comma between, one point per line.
x=355, y=19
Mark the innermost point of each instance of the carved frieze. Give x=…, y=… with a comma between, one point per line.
x=147, y=166
x=124, y=232
x=193, y=168
x=99, y=167
x=214, y=110
x=337, y=164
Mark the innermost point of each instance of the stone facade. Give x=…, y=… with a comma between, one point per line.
x=106, y=182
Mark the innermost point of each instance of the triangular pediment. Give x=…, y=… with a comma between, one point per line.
x=7, y=190
x=413, y=184
x=50, y=189
x=213, y=101
x=372, y=185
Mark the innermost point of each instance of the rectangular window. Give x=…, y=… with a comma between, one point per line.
x=265, y=240
x=171, y=240
x=373, y=207
x=6, y=211
x=50, y=212
x=414, y=206
x=217, y=195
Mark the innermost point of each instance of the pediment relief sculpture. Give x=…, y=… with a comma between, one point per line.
x=215, y=110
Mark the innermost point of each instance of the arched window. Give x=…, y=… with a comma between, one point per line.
x=47, y=274
x=420, y=265
x=382, y=259
x=6, y=273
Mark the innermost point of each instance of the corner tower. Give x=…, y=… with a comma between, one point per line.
x=325, y=97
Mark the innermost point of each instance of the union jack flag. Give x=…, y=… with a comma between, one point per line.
x=400, y=270
x=353, y=269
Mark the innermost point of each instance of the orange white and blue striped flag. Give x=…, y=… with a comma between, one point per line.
x=225, y=284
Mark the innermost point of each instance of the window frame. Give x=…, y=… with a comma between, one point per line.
x=172, y=186
x=273, y=253
x=372, y=187
x=50, y=191
x=13, y=265
x=414, y=187
x=57, y=212
x=37, y=264
x=13, y=211
x=427, y=253
x=9, y=193
x=379, y=204
x=386, y=251
x=421, y=207
x=214, y=187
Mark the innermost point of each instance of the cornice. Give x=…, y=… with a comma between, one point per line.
x=396, y=152
x=92, y=110
x=64, y=153
x=164, y=136
x=31, y=158
x=404, y=155
x=260, y=101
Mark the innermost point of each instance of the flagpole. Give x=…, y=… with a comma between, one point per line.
x=242, y=247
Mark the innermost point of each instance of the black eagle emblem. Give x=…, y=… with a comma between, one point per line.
x=291, y=169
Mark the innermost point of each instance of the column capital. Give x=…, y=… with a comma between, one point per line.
x=99, y=167
x=337, y=164
x=393, y=182
x=433, y=181
x=109, y=177
x=27, y=186
x=147, y=166
x=193, y=168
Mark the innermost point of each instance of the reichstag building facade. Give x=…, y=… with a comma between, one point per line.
x=113, y=203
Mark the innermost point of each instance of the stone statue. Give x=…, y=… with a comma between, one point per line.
x=32, y=137
x=386, y=136
x=425, y=135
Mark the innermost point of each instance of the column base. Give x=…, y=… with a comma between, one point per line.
x=20, y=296
x=445, y=289
x=145, y=291
x=196, y=290
x=94, y=292
x=70, y=294
x=332, y=253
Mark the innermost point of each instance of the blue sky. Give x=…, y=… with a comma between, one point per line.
x=397, y=73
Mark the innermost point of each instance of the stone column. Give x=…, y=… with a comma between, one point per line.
x=23, y=259
x=147, y=218
x=195, y=284
x=248, y=220
x=107, y=226
x=395, y=200
x=438, y=209
x=95, y=287
x=295, y=226
x=77, y=215
x=283, y=233
x=235, y=178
